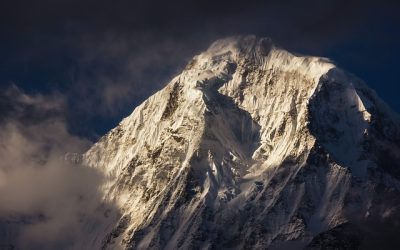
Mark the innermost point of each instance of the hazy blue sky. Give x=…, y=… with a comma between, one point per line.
x=103, y=58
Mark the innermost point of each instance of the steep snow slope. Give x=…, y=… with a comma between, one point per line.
x=249, y=147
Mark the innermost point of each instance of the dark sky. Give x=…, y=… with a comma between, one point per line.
x=102, y=58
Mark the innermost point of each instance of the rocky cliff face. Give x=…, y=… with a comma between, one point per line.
x=250, y=147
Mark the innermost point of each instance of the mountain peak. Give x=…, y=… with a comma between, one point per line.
x=225, y=56
x=275, y=147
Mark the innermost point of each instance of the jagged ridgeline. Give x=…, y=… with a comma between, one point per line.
x=252, y=147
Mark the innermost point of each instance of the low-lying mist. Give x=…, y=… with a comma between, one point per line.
x=48, y=199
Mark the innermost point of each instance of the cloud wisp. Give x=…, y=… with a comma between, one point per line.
x=48, y=199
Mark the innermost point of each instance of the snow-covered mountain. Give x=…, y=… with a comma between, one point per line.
x=251, y=147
